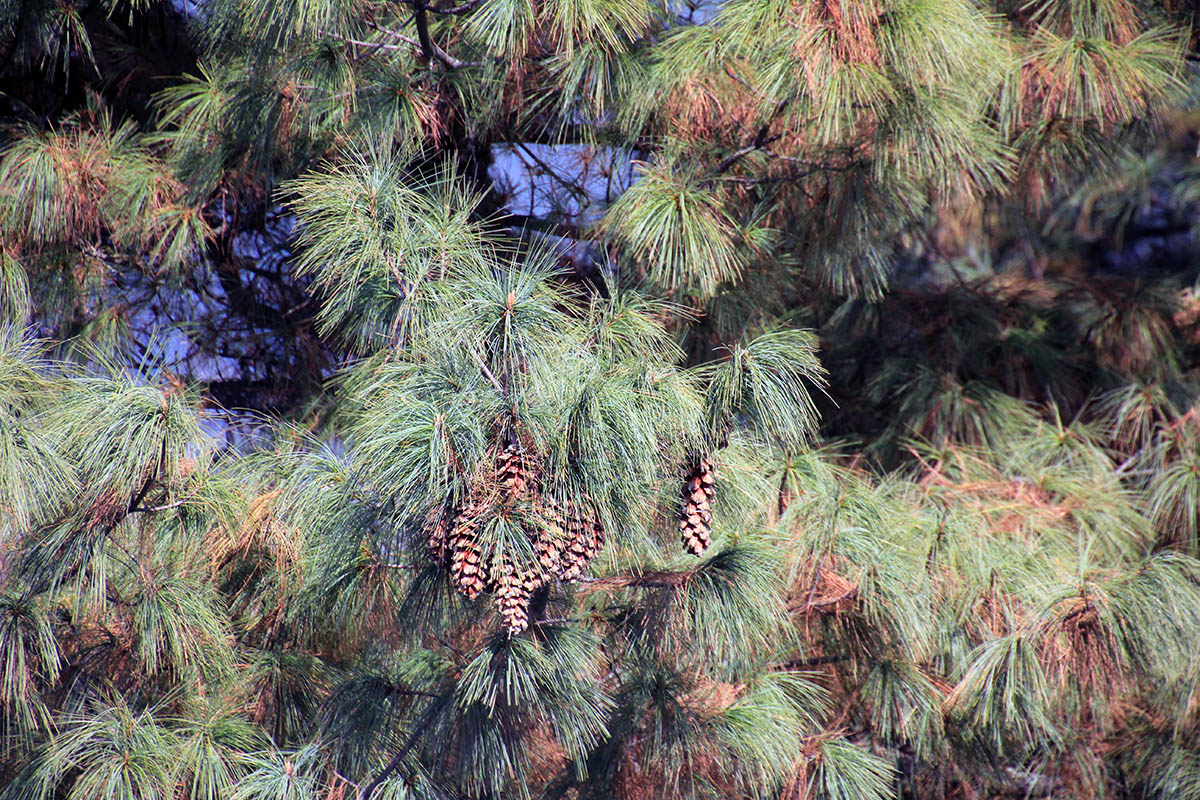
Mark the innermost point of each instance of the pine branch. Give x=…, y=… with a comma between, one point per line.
x=815, y=661
x=413, y=44
x=427, y=719
x=460, y=9
x=428, y=48
x=761, y=140
x=153, y=509
x=646, y=580
x=487, y=372
x=423, y=44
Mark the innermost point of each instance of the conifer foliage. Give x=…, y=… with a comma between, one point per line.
x=599, y=399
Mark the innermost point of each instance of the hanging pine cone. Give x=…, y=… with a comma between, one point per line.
x=585, y=537
x=467, y=569
x=551, y=538
x=512, y=472
x=595, y=539
x=437, y=533
x=695, y=516
x=513, y=589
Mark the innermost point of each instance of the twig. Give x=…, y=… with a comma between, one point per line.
x=1126, y=464
x=422, y=44
x=761, y=140
x=394, y=764
x=464, y=8
x=164, y=507
x=657, y=579
x=413, y=43
x=487, y=372
x=570, y=187
x=812, y=589
x=428, y=48
x=344, y=779
x=816, y=661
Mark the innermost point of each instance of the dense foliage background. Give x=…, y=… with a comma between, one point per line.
x=599, y=399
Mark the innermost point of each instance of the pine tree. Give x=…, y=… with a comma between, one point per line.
x=815, y=416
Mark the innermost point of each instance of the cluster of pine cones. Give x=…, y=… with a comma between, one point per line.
x=568, y=536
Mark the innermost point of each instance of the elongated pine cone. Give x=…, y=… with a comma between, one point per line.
x=467, y=569
x=695, y=515
x=585, y=537
x=551, y=538
x=595, y=539
x=513, y=473
x=513, y=589
x=437, y=533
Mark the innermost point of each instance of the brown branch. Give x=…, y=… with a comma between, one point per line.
x=816, y=661
x=462, y=9
x=412, y=43
x=761, y=140
x=427, y=719
x=428, y=48
x=659, y=579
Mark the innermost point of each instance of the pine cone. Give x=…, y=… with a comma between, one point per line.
x=514, y=587
x=595, y=539
x=467, y=569
x=551, y=538
x=437, y=532
x=585, y=537
x=513, y=473
x=695, y=516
